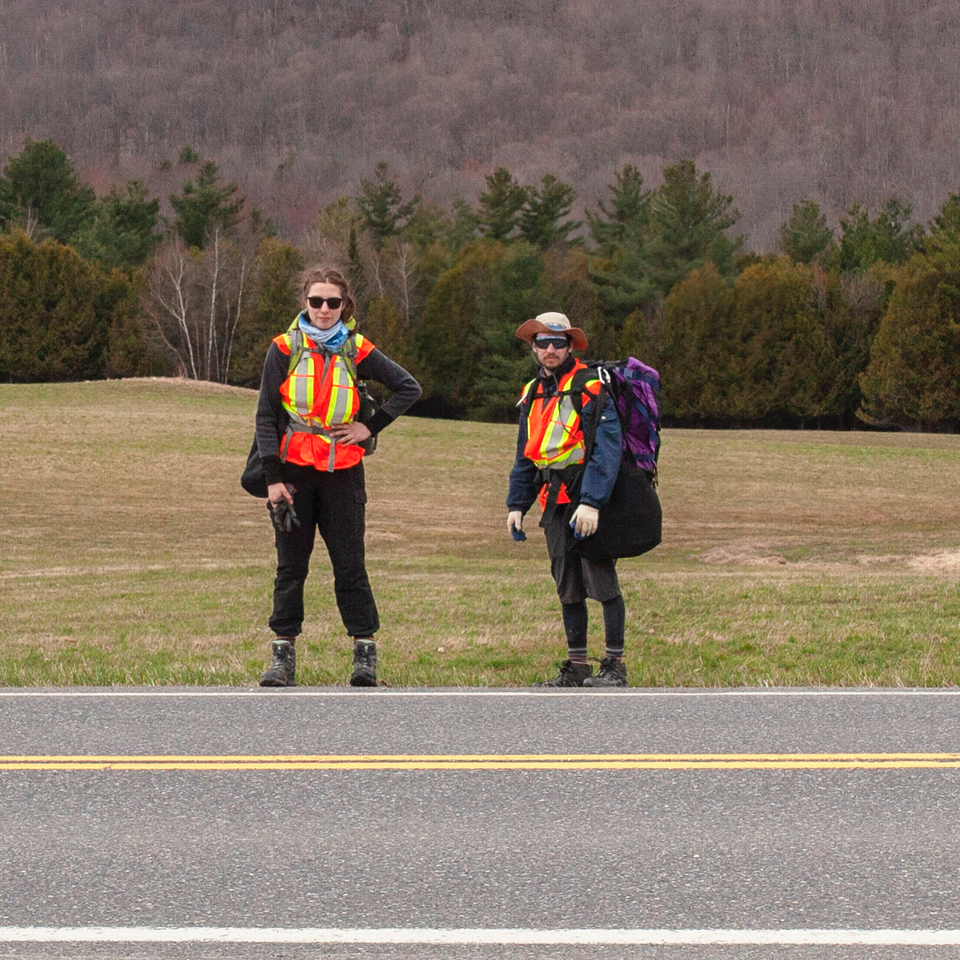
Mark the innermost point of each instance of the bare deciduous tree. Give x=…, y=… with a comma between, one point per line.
x=195, y=300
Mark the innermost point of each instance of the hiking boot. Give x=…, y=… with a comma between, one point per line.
x=571, y=675
x=612, y=673
x=364, y=664
x=281, y=671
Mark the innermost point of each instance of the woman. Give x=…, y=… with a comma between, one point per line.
x=311, y=444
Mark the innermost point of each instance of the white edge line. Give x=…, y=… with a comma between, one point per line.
x=831, y=937
x=477, y=692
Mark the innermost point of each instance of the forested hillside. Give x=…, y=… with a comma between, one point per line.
x=759, y=198
x=835, y=100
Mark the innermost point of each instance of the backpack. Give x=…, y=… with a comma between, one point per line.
x=635, y=389
x=631, y=522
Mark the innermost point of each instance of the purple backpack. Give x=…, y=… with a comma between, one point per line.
x=635, y=389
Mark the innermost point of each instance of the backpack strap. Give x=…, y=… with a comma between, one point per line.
x=348, y=352
x=528, y=396
x=296, y=349
x=577, y=386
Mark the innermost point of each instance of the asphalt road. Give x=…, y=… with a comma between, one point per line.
x=751, y=813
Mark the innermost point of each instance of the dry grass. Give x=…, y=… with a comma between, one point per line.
x=129, y=553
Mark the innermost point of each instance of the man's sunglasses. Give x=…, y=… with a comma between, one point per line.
x=335, y=303
x=558, y=343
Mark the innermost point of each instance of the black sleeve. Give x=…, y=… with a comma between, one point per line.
x=404, y=389
x=524, y=477
x=271, y=417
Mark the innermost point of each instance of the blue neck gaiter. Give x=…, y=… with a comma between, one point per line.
x=331, y=339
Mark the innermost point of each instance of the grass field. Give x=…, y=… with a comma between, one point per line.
x=130, y=555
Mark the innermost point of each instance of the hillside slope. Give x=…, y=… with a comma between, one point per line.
x=297, y=99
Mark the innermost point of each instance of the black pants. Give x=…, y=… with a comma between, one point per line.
x=578, y=578
x=335, y=505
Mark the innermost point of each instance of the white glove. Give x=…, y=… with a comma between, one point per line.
x=584, y=521
x=515, y=525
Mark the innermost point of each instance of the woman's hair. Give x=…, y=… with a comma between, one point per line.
x=334, y=276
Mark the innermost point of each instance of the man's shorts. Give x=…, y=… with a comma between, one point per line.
x=577, y=578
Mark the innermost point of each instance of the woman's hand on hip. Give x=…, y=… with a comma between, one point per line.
x=350, y=432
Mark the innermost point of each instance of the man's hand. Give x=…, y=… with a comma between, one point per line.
x=584, y=521
x=515, y=525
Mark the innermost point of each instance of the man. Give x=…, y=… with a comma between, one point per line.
x=549, y=461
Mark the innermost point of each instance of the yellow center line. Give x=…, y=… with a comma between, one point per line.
x=652, y=761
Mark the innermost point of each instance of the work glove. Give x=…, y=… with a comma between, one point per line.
x=283, y=515
x=515, y=525
x=584, y=521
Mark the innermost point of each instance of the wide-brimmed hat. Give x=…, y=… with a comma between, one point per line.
x=552, y=323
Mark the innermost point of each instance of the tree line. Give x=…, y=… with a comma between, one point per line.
x=838, y=326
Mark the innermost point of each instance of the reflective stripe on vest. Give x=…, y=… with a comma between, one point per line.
x=554, y=437
x=320, y=390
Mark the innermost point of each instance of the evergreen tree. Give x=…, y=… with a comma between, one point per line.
x=64, y=318
x=621, y=271
x=886, y=238
x=335, y=223
x=945, y=226
x=911, y=380
x=437, y=238
x=542, y=220
x=259, y=225
x=895, y=241
x=697, y=350
x=470, y=363
x=355, y=271
x=627, y=218
x=805, y=237
x=382, y=210
x=500, y=205
x=947, y=221
x=690, y=221
x=624, y=282
x=431, y=227
x=462, y=228
x=385, y=325
x=275, y=300
x=780, y=344
x=856, y=239
x=206, y=206
x=41, y=193
x=123, y=233
x=848, y=308
x=568, y=285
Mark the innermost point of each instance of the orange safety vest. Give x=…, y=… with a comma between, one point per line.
x=554, y=433
x=320, y=392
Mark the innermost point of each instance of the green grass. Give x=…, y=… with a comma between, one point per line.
x=130, y=555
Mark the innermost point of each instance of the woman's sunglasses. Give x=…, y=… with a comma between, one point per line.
x=335, y=303
x=558, y=343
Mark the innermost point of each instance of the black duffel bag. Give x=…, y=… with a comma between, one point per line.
x=630, y=522
x=253, y=479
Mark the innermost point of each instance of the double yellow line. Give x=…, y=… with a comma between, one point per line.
x=604, y=761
